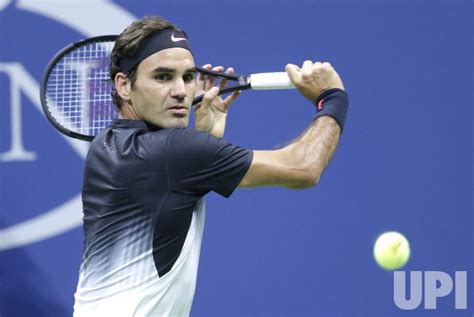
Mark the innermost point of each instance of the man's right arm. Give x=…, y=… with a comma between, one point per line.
x=301, y=163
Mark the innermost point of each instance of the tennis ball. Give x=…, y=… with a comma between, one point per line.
x=391, y=250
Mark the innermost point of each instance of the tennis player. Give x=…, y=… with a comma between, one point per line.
x=147, y=174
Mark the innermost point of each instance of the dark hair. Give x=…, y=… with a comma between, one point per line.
x=127, y=44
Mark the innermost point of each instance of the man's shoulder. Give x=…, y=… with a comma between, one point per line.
x=187, y=139
x=187, y=134
x=173, y=143
x=176, y=135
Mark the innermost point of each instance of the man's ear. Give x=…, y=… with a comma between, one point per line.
x=123, y=86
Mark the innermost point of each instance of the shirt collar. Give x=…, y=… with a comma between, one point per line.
x=134, y=124
x=128, y=123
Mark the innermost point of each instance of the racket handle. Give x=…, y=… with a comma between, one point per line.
x=267, y=81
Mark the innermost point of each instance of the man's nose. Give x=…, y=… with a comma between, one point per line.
x=178, y=90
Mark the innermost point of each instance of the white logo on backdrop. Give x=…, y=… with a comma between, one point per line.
x=70, y=13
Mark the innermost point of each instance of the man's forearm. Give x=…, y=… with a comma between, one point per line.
x=314, y=148
x=301, y=163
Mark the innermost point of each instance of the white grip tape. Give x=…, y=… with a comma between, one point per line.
x=267, y=81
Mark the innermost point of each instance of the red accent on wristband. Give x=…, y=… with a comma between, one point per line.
x=320, y=104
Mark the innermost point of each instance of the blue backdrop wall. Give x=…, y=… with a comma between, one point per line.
x=404, y=162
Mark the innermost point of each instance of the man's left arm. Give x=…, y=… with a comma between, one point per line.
x=211, y=113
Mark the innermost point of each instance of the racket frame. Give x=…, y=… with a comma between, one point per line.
x=51, y=65
x=244, y=82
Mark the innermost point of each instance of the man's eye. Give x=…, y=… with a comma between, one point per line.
x=189, y=77
x=163, y=77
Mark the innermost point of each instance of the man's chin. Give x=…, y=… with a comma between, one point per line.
x=177, y=122
x=182, y=122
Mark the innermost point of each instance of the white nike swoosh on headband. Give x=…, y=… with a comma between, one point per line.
x=177, y=39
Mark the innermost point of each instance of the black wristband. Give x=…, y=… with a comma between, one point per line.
x=334, y=103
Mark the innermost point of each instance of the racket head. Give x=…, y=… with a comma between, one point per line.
x=76, y=88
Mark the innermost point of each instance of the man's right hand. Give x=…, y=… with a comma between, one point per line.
x=313, y=79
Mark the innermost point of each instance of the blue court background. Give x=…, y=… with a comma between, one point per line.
x=404, y=161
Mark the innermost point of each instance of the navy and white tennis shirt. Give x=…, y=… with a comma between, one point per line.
x=144, y=210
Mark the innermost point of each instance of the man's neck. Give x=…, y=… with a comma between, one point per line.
x=127, y=112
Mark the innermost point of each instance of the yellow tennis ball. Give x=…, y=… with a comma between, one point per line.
x=391, y=250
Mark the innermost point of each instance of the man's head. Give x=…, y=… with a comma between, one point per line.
x=153, y=71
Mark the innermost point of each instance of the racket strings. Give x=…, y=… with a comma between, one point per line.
x=78, y=90
x=76, y=94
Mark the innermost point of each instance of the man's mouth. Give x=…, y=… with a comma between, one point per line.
x=180, y=110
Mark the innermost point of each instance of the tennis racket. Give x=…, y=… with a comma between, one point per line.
x=76, y=88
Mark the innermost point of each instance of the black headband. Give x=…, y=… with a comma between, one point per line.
x=155, y=42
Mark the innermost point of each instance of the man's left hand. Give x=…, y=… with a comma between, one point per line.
x=211, y=113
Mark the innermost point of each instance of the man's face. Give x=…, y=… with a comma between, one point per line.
x=164, y=88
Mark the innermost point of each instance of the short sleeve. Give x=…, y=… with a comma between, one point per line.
x=199, y=162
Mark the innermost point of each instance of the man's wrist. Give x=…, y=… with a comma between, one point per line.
x=334, y=103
